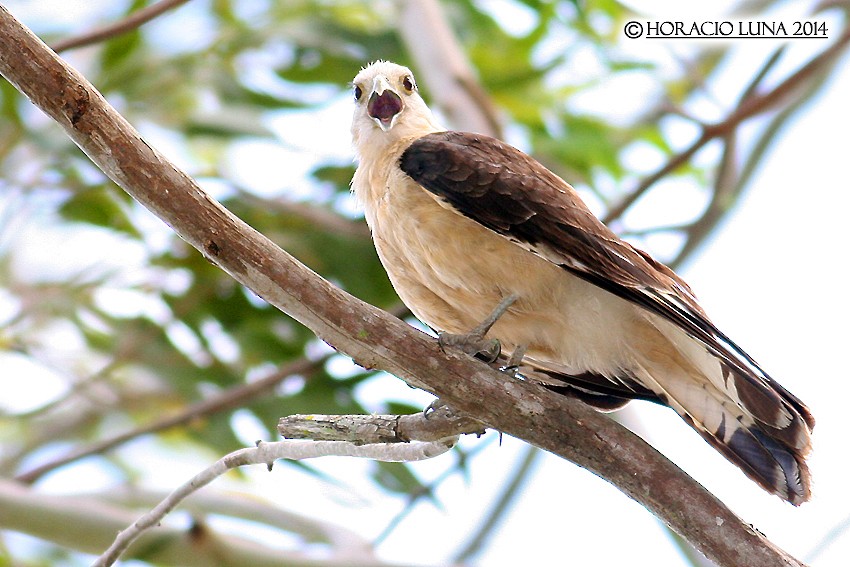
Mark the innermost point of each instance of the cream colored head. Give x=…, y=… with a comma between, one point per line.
x=387, y=107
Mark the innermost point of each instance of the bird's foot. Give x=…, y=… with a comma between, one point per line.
x=474, y=343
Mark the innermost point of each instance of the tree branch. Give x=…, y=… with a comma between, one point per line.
x=497, y=511
x=371, y=337
x=267, y=453
x=441, y=62
x=729, y=184
x=435, y=425
x=89, y=524
x=749, y=107
x=230, y=398
x=342, y=540
x=131, y=22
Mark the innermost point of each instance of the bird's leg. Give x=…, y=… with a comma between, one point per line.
x=474, y=343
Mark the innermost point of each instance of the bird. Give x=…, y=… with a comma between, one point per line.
x=463, y=223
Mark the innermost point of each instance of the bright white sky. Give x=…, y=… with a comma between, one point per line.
x=773, y=278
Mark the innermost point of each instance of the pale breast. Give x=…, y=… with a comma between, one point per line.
x=451, y=272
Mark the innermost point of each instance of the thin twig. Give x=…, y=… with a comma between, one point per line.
x=725, y=196
x=501, y=506
x=753, y=105
x=639, y=232
x=267, y=453
x=88, y=523
x=131, y=22
x=342, y=540
x=429, y=489
x=231, y=398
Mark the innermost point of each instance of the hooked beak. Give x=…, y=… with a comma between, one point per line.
x=384, y=105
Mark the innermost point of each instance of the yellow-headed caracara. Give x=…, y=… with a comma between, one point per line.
x=461, y=221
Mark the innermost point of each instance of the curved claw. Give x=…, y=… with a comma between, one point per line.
x=435, y=404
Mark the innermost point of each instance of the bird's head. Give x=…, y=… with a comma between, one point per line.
x=387, y=106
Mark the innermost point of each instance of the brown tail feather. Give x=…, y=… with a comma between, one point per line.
x=749, y=418
x=772, y=465
x=750, y=422
x=783, y=416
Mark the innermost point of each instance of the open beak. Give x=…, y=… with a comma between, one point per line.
x=384, y=105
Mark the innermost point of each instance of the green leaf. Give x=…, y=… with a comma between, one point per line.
x=397, y=477
x=120, y=48
x=99, y=206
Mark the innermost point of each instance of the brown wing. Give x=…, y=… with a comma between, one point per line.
x=515, y=196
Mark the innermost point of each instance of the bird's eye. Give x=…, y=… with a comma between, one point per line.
x=358, y=92
x=408, y=84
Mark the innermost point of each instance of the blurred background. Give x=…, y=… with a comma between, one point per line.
x=128, y=363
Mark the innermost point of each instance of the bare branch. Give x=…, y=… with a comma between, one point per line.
x=89, y=524
x=321, y=217
x=441, y=62
x=231, y=398
x=441, y=423
x=267, y=453
x=730, y=184
x=751, y=106
x=342, y=540
x=131, y=22
x=372, y=338
x=500, y=507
